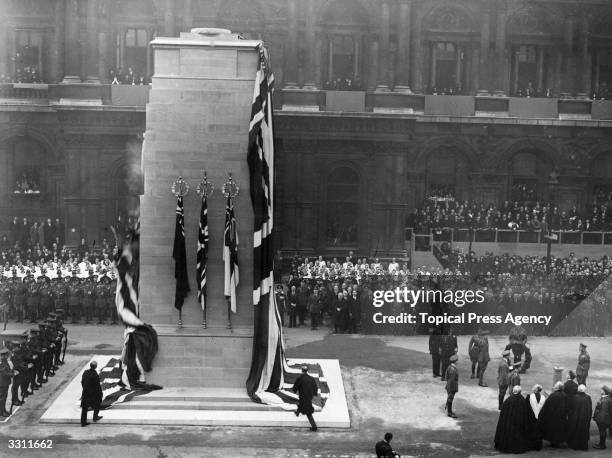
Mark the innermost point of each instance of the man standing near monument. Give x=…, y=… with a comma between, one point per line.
x=503, y=377
x=452, y=385
x=92, y=393
x=603, y=416
x=448, y=348
x=434, y=350
x=584, y=364
x=307, y=389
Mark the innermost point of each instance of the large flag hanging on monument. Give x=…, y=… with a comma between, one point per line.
x=268, y=364
x=202, y=253
x=179, y=253
x=230, y=254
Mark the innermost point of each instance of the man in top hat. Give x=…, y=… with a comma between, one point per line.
x=434, y=350
x=503, y=377
x=307, y=388
x=452, y=385
x=603, y=416
x=92, y=393
x=584, y=364
x=6, y=375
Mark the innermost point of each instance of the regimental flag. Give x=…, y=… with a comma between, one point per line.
x=230, y=254
x=179, y=253
x=202, y=253
x=268, y=364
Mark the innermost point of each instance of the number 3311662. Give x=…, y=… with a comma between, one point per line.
x=29, y=443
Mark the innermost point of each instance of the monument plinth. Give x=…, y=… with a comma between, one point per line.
x=197, y=119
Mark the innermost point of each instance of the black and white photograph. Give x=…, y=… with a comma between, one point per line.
x=305, y=228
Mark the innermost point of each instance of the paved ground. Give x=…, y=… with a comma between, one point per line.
x=389, y=388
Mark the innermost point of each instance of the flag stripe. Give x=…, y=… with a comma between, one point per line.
x=268, y=362
x=230, y=254
x=202, y=253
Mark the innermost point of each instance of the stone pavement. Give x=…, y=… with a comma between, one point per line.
x=388, y=386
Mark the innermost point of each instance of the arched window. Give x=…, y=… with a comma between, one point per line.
x=342, y=207
x=601, y=171
x=447, y=174
x=28, y=169
x=529, y=174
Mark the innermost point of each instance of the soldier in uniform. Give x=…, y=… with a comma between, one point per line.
x=110, y=300
x=60, y=294
x=89, y=299
x=56, y=335
x=448, y=347
x=39, y=352
x=434, y=350
x=483, y=357
x=5, y=298
x=6, y=374
x=19, y=299
x=514, y=378
x=473, y=350
x=18, y=365
x=452, y=385
x=584, y=364
x=75, y=296
x=503, y=377
x=281, y=302
x=32, y=300
x=48, y=344
x=29, y=373
x=101, y=291
x=46, y=297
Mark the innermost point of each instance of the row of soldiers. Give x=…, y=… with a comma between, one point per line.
x=26, y=364
x=32, y=299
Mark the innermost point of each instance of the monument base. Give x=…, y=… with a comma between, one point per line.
x=191, y=356
x=204, y=406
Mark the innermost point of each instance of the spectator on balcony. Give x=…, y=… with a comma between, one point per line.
x=530, y=90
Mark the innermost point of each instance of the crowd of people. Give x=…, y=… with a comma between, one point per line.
x=446, y=212
x=28, y=362
x=340, y=293
x=121, y=76
x=27, y=184
x=560, y=418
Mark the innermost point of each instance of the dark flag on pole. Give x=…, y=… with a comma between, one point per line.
x=230, y=254
x=202, y=253
x=179, y=253
x=268, y=365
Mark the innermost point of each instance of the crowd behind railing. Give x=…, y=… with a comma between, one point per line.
x=339, y=294
x=443, y=211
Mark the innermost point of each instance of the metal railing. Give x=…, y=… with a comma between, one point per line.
x=510, y=236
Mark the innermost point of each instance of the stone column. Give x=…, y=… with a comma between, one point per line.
x=585, y=59
x=374, y=59
x=484, y=77
x=187, y=15
x=169, y=19
x=330, y=59
x=416, y=57
x=459, y=65
x=3, y=49
x=432, y=65
x=567, y=81
x=72, y=69
x=91, y=56
x=403, y=47
x=57, y=46
x=597, y=70
x=309, y=65
x=291, y=76
x=475, y=67
x=104, y=37
x=318, y=56
x=500, y=51
x=540, y=70
x=383, y=61
x=356, y=60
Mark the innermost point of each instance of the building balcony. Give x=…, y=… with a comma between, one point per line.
x=530, y=110
x=75, y=95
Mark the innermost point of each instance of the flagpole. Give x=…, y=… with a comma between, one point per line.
x=203, y=312
x=229, y=313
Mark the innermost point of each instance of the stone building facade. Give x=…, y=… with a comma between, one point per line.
x=351, y=164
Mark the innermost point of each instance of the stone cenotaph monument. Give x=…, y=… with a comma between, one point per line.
x=197, y=119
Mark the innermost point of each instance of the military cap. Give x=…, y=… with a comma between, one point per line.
x=43, y=325
x=606, y=389
x=53, y=314
x=482, y=332
x=506, y=353
x=5, y=352
x=16, y=342
x=34, y=331
x=454, y=358
x=583, y=345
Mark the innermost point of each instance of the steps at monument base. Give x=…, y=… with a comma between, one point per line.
x=195, y=405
